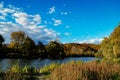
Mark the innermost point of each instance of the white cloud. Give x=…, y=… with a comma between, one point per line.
x=20, y=20
x=52, y=10
x=37, y=18
x=66, y=33
x=1, y=5
x=6, y=28
x=2, y=17
x=57, y=22
x=25, y=19
x=67, y=26
x=64, y=13
x=91, y=41
x=6, y=11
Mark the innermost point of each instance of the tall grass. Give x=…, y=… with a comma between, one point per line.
x=13, y=73
x=17, y=73
x=87, y=71
x=95, y=70
x=49, y=68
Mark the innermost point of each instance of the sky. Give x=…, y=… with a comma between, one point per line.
x=70, y=21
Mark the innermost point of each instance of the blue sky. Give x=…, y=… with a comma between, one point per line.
x=81, y=21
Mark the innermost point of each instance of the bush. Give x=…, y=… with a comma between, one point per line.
x=29, y=70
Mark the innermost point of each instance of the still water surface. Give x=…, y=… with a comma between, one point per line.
x=38, y=63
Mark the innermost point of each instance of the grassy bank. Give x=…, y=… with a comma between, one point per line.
x=95, y=70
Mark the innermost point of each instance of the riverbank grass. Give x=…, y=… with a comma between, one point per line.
x=73, y=70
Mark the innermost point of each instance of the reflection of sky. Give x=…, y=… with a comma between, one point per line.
x=38, y=63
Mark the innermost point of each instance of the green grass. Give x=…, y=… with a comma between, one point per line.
x=48, y=69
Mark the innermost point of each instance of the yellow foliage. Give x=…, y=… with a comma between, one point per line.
x=12, y=45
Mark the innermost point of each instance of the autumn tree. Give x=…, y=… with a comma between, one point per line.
x=55, y=50
x=110, y=46
x=22, y=43
x=17, y=39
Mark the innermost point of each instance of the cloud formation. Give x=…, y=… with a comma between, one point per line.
x=91, y=41
x=25, y=19
x=66, y=34
x=14, y=19
x=52, y=10
x=64, y=13
x=57, y=22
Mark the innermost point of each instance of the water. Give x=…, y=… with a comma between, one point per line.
x=38, y=63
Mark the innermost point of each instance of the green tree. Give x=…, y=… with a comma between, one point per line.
x=55, y=50
x=107, y=48
x=41, y=49
x=115, y=41
x=28, y=48
x=110, y=46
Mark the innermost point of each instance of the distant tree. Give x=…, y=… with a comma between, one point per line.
x=1, y=40
x=40, y=43
x=28, y=48
x=110, y=46
x=55, y=50
x=22, y=43
x=41, y=49
x=67, y=49
x=17, y=38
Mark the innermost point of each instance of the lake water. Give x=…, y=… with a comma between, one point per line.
x=38, y=63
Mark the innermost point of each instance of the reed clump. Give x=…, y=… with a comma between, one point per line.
x=87, y=71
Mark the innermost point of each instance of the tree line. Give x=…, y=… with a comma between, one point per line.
x=22, y=46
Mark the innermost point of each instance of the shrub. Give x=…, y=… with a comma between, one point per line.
x=29, y=70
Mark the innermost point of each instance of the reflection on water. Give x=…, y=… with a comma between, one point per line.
x=38, y=63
